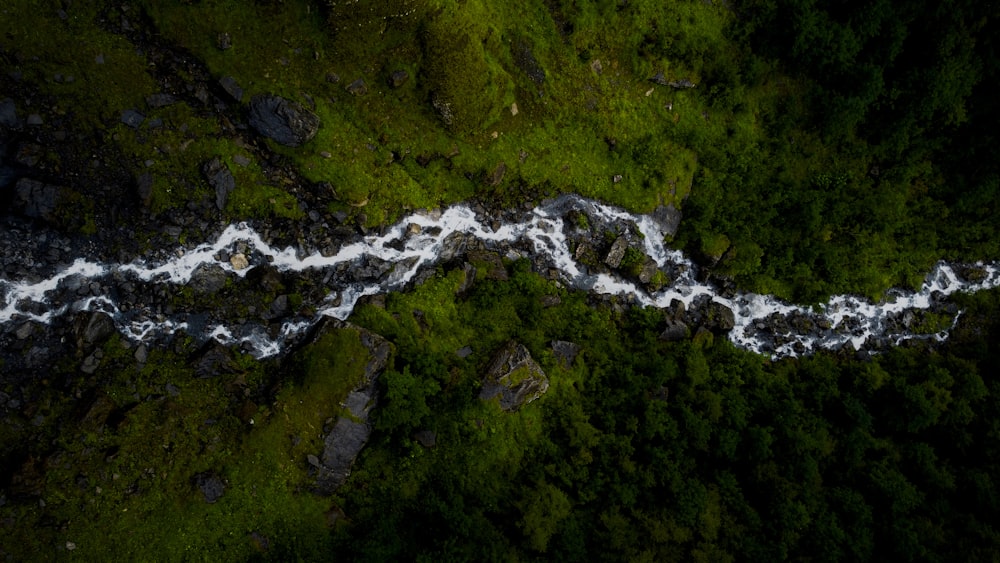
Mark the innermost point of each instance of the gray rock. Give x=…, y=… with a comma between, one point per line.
x=211, y=486
x=675, y=330
x=720, y=316
x=90, y=364
x=426, y=438
x=489, y=265
x=617, y=252
x=213, y=360
x=228, y=83
x=144, y=188
x=515, y=377
x=207, y=279
x=497, y=176
x=357, y=88
x=284, y=121
x=551, y=300
x=681, y=84
x=279, y=308
x=220, y=178
x=25, y=330
x=452, y=246
x=8, y=114
x=398, y=78
x=160, y=100
x=667, y=219
x=94, y=328
x=464, y=352
x=566, y=352
x=35, y=119
x=470, y=279
x=649, y=269
x=141, y=353
x=132, y=118
x=351, y=431
x=524, y=58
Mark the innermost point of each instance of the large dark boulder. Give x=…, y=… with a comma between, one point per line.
x=93, y=328
x=283, y=120
x=207, y=279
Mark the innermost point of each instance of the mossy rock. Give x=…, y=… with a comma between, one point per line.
x=467, y=87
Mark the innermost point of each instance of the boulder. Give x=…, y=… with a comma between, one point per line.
x=221, y=179
x=667, y=219
x=94, y=328
x=211, y=486
x=212, y=360
x=453, y=245
x=398, y=78
x=426, y=438
x=229, y=84
x=720, y=317
x=284, y=121
x=280, y=307
x=37, y=199
x=352, y=429
x=566, y=352
x=488, y=265
x=515, y=377
x=357, y=88
x=132, y=118
x=675, y=330
x=617, y=252
x=207, y=279
x=8, y=114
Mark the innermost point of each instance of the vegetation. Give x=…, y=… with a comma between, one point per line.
x=821, y=147
x=640, y=449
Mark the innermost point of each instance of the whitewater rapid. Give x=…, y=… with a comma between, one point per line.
x=423, y=236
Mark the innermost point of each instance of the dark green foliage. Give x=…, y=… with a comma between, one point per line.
x=687, y=451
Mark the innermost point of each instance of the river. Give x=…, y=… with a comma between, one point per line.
x=417, y=241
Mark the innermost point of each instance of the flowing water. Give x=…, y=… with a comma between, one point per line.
x=843, y=320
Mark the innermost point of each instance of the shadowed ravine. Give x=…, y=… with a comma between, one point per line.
x=761, y=323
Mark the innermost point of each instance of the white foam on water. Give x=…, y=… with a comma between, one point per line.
x=544, y=230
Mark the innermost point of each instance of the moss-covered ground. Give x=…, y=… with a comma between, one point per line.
x=512, y=103
x=816, y=152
